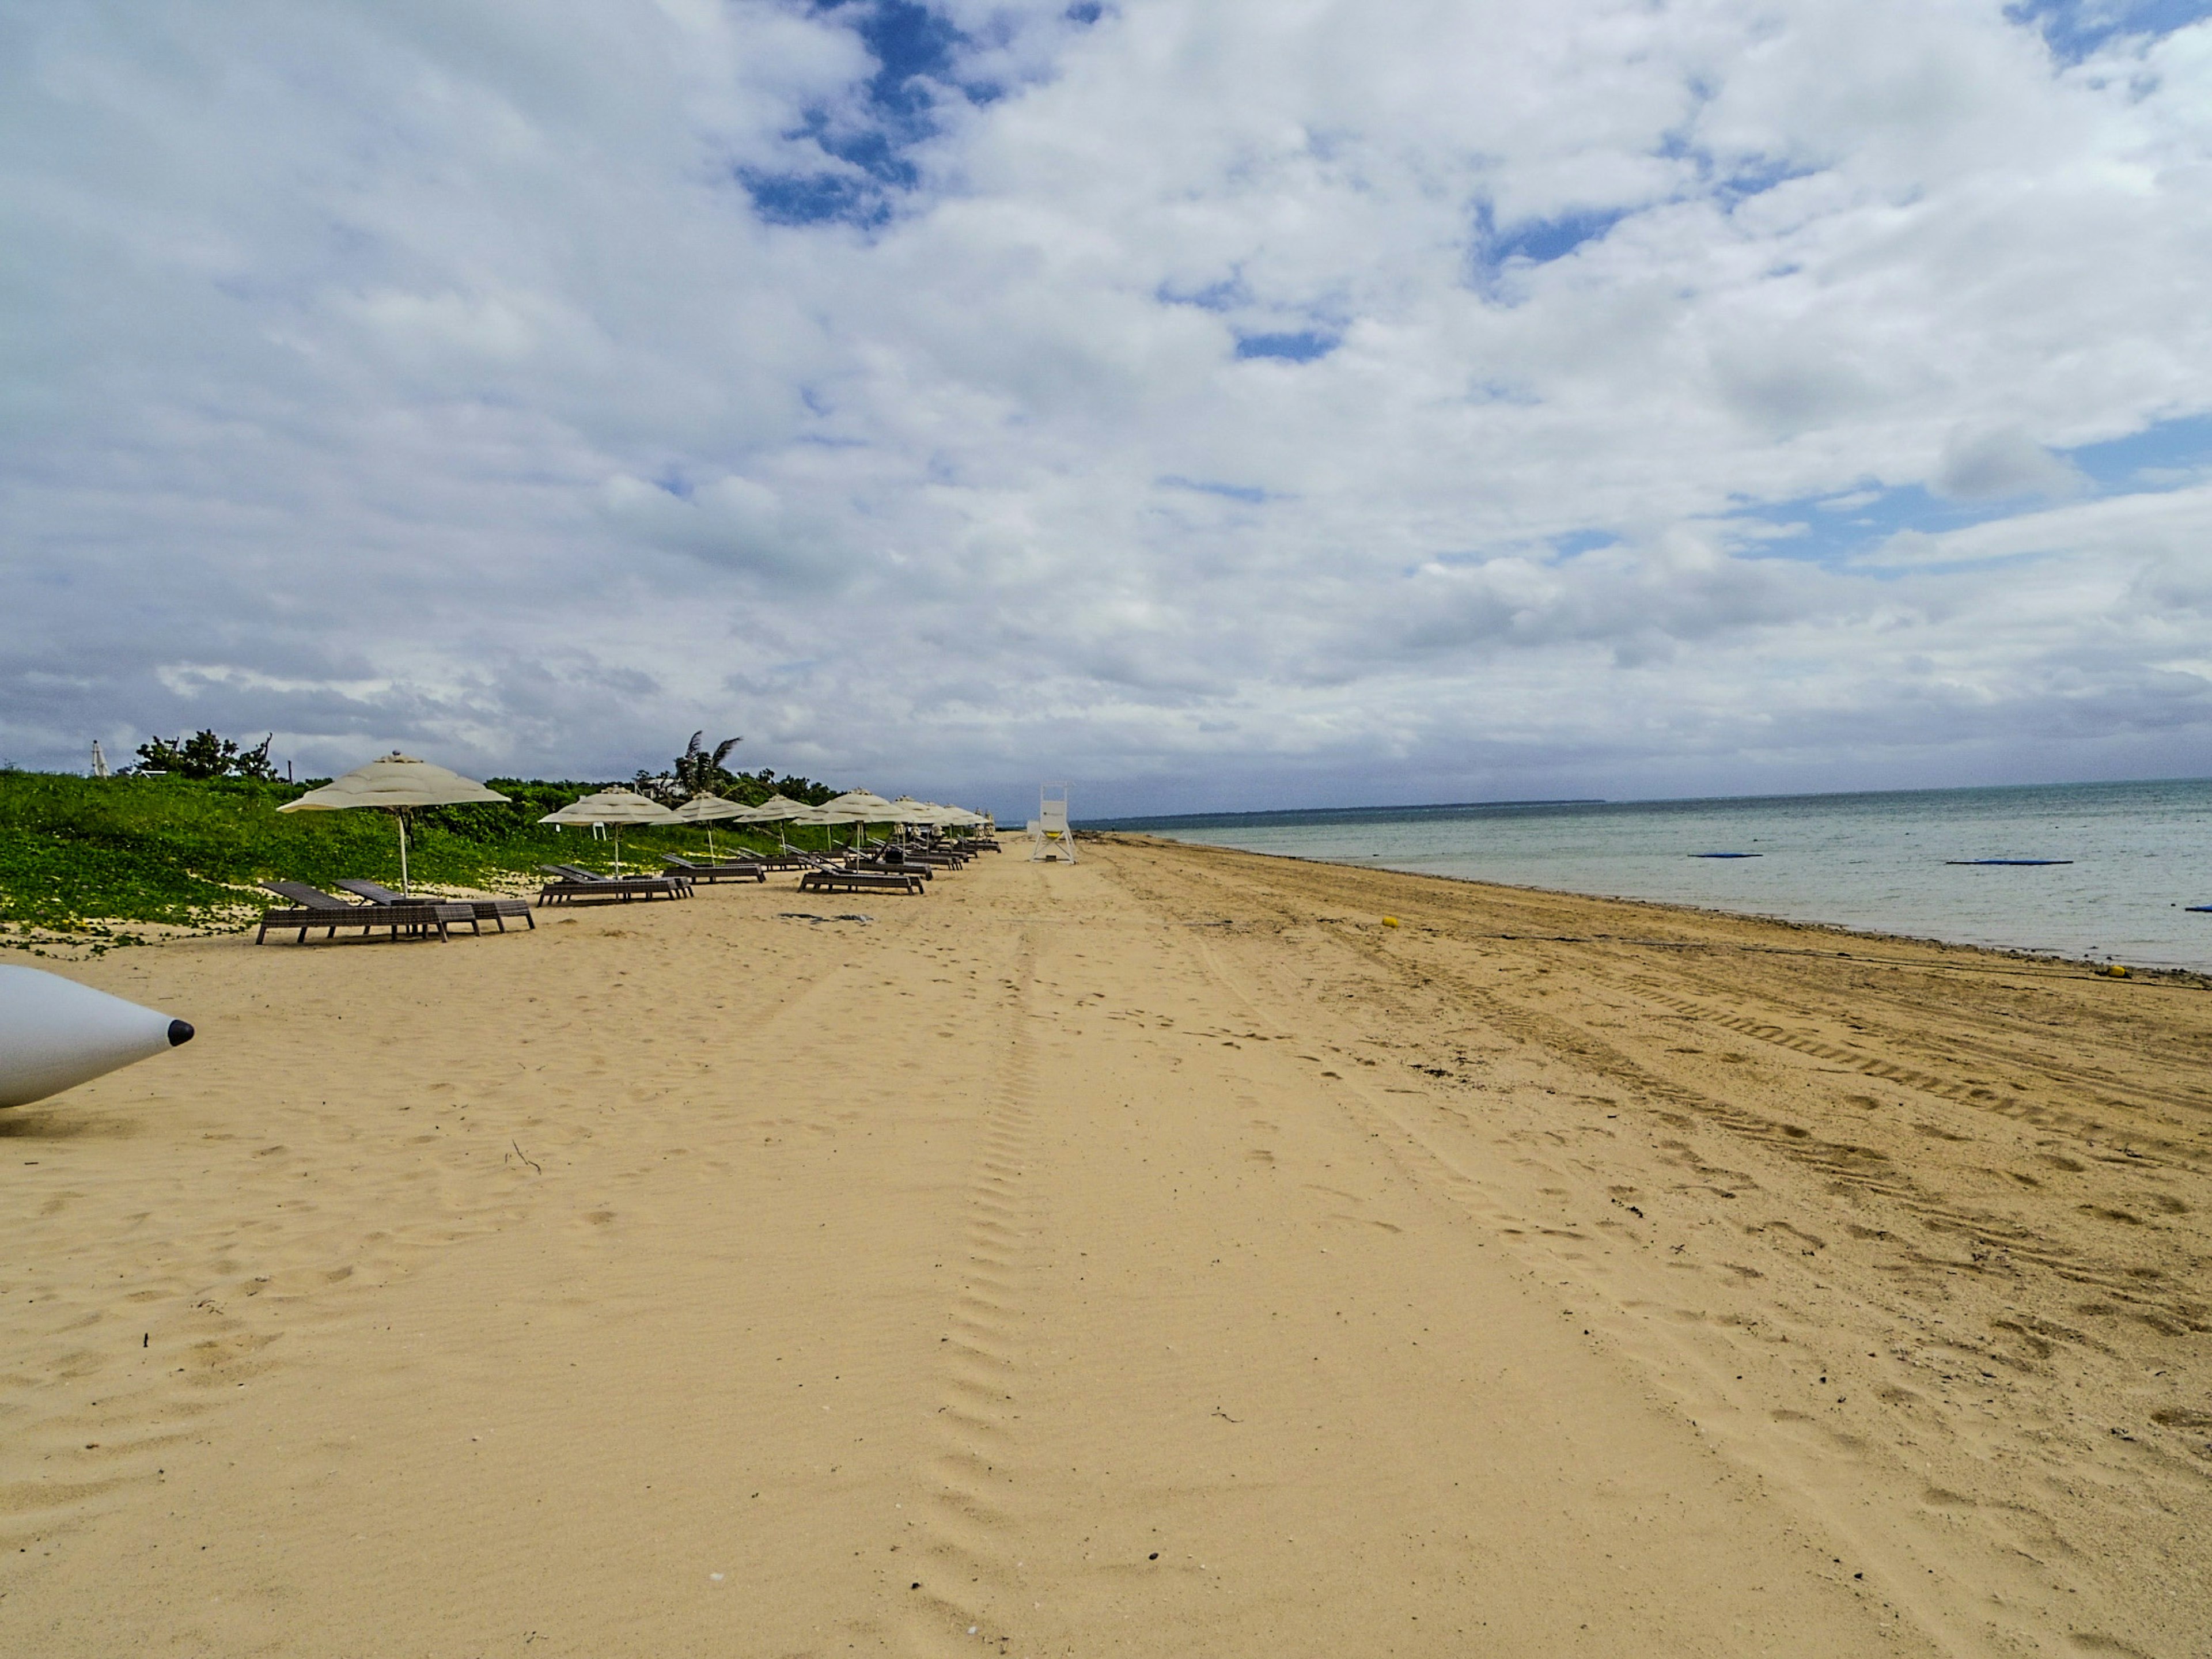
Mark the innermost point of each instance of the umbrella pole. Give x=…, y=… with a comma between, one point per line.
x=618, y=852
x=404, y=888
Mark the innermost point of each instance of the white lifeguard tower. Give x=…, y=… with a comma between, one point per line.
x=1049, y=835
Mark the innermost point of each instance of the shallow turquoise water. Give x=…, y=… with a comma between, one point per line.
x=2139, y=855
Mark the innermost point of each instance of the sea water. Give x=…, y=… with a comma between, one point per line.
x=2139, y=853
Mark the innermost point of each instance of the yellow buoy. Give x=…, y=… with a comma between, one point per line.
x=1390, y=922
x=2116, y=971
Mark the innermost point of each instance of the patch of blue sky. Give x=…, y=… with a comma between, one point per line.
x=1223, y=295
x=2164, y=455
x=1835, y=530
x=1838, y=527
x=1496, y=251
x=675, y=483
x=1577, y=541
x=915, y=52
x=1540, y=241
x=1299, y=346
x=1753, y=176
x=1250, y=495
x=1736, y=179
x=910, y=43
x=814, y=199
x=2075, y=29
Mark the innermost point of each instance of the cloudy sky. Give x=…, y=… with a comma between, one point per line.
x=1214, y=403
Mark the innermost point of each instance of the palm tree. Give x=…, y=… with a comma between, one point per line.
x=698, y=770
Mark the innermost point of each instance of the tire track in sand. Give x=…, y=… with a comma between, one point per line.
x=1407, y=1147
x=959, y=1594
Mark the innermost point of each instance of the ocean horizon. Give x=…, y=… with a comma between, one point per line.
x=2097, y=871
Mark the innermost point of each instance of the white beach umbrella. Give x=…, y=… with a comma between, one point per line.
x=861, y=806
x=397, y=784
x=919, y=811
x=819, y=815
x=777, y=807
x=711, y=810
x=857, y=807
x=909, y=813
x=779, y=810
x=616, y=806
x=953, y=816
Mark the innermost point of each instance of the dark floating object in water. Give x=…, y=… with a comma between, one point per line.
x=2201, y=909
x=1728, y=855
x=2012, y=864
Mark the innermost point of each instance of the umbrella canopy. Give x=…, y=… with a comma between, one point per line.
x=396, y=784
x=616, y=806
x=711, y=809
x=779, y=810
x=855, y=807
x=396, y=781
x=776, y=807
x=943, y=817
x=858, y=806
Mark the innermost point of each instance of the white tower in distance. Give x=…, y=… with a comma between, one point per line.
x=1049, y=835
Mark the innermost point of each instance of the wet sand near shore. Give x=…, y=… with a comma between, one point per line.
x=1155, y=1255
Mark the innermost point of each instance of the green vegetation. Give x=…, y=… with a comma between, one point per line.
x=699, y=771
x=204, y=755
x=77, y=853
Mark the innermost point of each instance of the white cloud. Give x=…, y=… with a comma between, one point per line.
x=455, y=375
x=2166, y=529
x=1984, y=465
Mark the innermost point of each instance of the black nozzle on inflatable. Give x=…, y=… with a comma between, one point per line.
x=180, y=1033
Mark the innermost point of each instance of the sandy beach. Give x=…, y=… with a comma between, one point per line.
x=1157, y=1255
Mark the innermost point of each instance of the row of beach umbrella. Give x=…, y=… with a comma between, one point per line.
x=398, y=783
x=618, y=806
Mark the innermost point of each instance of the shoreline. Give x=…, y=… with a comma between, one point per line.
x=2199, y=978
x=1155, y=1253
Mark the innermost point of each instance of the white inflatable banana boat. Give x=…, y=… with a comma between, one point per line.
x=56, y=1034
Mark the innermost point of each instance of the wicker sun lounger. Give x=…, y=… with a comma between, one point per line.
x=487, y=909
x=920, y=852
x=941, y=858
x=577, y=873
x=571, y=886
x=731, y=870
x=312, y=907
x=904, y=867
x=861, y=881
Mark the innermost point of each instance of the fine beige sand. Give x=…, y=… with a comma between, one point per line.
x=1159, y=1256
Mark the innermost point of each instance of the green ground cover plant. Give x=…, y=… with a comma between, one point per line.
x=82, y=854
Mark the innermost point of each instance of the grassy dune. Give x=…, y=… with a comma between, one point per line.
x=78, y=854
